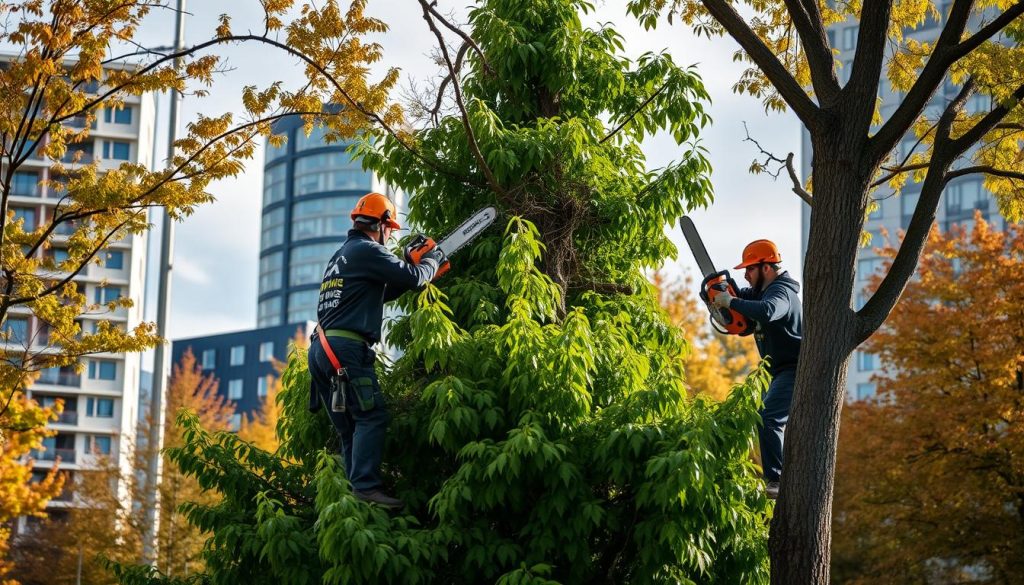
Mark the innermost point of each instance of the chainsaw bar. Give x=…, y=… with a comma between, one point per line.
x=469, y=229
x=700, y=253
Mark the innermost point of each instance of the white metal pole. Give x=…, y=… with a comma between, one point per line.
x=161, y=363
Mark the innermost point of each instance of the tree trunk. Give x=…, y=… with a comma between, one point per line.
x=800, y=542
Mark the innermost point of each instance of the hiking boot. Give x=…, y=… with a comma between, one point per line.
x=772, y=489
x=380, y=498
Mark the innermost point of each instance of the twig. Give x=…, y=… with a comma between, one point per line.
x=786, y=163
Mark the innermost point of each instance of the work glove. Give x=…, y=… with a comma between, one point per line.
x=438, y=256
x=722, y=300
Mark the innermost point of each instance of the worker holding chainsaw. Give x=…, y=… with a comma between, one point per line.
x=361, y=276
x=772, y=303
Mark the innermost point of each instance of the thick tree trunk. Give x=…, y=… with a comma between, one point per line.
x=800, y=541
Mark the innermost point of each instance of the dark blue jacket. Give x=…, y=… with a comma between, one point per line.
x=362, y=276
x=776, y=311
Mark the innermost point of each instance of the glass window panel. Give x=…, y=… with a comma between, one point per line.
x=308, y=262
x=28, y=215
x=209, y=359
x=849, y=38
x=101, y=444
x=274, y=181
x=314, y=140
x=302, y=305
x=25, y=184
x=237, y=355
x=271, y=272
x=276, y=152
x=261, y=386
x=268, y=312
x=266, y=351
x=235, y=389
x=273, y=228
x=104, y=407
x=114, y=259
x=865, y=391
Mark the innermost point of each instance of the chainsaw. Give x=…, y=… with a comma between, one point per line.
x=715, y=282
x=462, y=235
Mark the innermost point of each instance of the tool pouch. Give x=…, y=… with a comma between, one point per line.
x=339, y=391
x=364, y=390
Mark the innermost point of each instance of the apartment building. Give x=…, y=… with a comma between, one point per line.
x=100, y=403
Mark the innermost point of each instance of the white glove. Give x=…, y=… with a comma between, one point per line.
x=722, y=300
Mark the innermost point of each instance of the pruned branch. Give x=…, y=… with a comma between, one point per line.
x=765, y=59
x=786, y=163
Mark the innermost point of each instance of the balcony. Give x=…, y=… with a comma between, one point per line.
x=68, y=417
x=65, y=455
x=60, y=377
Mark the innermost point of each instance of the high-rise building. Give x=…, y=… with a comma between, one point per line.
x=309, y=188
x=960, y=198
x=99, y=417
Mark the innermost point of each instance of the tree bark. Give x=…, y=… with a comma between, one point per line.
x=800, y=542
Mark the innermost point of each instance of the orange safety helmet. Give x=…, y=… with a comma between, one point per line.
x=377, y=207
x=760, y=252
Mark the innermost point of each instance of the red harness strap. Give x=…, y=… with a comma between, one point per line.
x=330, y=352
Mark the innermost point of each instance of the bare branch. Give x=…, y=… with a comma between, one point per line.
x=787, y=163
x=466, y=39
x=765, y=59
x=984, y=170
x=470, y=135
x=436, y=110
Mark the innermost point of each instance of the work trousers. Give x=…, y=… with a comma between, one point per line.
x=774, y=416
x=361, y=430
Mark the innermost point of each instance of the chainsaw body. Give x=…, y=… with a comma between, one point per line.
x=730, y=321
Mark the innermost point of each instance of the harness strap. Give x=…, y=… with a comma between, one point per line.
x=327, y=349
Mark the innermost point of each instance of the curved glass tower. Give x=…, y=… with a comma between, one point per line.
x=309, y=188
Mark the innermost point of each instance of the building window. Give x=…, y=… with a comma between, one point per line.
x=261, y=386
x=116, y=150
x=268, y=312
x=271, y=270
x=908, y=203
x=275, y=179
x=99, y=407
x=235, y=388
x=964, y=197
x=236, y=421
x=27, y=215
x=209, y=359
x=314, y=140
x=850, y=38
x=865, y=391
x=237, y=355
x=100, y=444
x=118, y=116
x=868, y=267
x=326, y=217
x=25, y=184
x=107, y=294
x=114, y=260
x=266, y=351
x=865, y=361
x=276, y=152
x=102, y=370
x=16, y=330
x=307, y=263
x=302, y=305
x=78, y=153
x=272, y=232
x=330, y=172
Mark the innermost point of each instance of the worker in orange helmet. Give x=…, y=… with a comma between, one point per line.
x=361, y=276
x=772, y=303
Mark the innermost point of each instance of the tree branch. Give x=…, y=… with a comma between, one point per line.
x=984, y=170
x=765, y=59
x=868, y=58
x=634, y=114
x=466, y=39
x=987, y=123
x=470, y=135
x=878, y=307
x=930, y=78
x=987, y=32
x=807, y=20
x=788, y=164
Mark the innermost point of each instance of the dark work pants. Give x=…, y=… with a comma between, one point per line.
x=774, y=416
x=361, y=431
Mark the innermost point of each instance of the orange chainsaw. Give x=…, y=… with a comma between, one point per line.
x=715, y=282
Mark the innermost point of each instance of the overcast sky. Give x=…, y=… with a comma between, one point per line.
x=217, y=249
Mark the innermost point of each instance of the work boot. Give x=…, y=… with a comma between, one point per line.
x=380, y=498
x=772, y=489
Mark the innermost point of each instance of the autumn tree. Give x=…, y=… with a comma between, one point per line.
x=79, y=541
x=855, y=154
x=930, y=480
x=76, y=59
x=21, y=494
x=542, y=432
x=715, y=362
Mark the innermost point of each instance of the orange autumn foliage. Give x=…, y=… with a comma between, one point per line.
x=716, y=362
x=930, y=475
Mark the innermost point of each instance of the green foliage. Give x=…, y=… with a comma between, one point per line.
x=541, y=431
